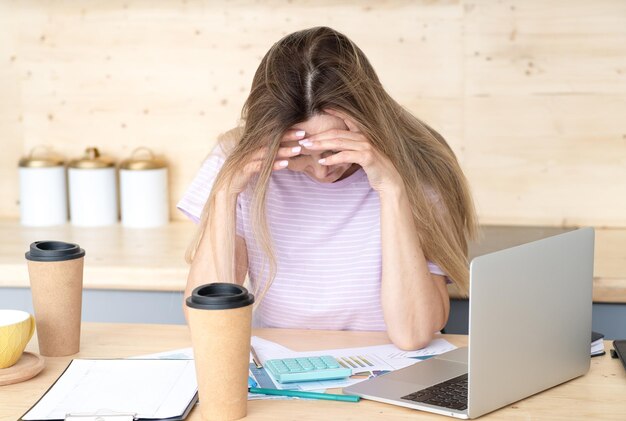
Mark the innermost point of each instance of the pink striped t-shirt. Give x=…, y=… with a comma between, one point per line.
x=326, y=239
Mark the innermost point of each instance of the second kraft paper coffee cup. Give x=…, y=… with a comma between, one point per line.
x=220, y=320
x=55, y=270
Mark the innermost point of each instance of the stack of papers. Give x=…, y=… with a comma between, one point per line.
x=365, y=362
x=597, y=344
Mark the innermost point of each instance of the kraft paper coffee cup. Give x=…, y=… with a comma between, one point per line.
x=55, y=269
x=220, y=320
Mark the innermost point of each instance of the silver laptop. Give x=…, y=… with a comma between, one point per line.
x=529, y=330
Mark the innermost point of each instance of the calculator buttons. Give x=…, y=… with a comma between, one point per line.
x=289, y=370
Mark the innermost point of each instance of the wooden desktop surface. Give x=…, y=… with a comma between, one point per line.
x=597, y=395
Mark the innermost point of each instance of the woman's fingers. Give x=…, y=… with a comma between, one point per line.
x=335, y=144
x=255, y=166
x=281, y=159
x=335, y=139
x=255, y=163
x=335, y=134
x=292, y=135
x=362, y=158
x=288, y=152
x=283, y=153
x=279, y=165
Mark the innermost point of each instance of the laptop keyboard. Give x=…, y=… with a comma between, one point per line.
x=449, y=394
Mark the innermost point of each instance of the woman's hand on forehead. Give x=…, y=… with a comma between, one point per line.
x=353, y=147
x=288, y=149
x=318, y=124
x=289, y=146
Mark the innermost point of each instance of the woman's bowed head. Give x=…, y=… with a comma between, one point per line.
x=317, y=107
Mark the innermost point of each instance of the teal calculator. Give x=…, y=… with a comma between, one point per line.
x=304, y=369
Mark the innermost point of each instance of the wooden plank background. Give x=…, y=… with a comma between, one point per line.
x=530, y=94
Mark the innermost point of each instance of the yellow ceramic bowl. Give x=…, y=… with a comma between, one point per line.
x=16, y=329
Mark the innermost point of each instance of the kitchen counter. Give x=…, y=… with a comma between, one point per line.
x=153, y=259
x=116, y=257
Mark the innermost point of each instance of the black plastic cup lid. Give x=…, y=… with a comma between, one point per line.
x=219, y=296
x=53, y=251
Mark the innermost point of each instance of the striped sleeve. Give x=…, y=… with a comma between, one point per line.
x=193, y=201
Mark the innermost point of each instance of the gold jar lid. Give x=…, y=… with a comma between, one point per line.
x=142, y=159
x=91, y=160
x=41, y=157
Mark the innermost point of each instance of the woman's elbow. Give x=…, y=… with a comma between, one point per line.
x=411, y=341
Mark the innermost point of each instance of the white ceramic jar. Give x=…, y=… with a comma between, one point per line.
x=43, y=191
x=143, y=190
x=93, y=190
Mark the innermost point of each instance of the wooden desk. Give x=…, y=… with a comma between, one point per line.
x=597, y=395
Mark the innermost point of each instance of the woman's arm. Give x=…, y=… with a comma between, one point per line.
x=202, y=270
x=415, y=302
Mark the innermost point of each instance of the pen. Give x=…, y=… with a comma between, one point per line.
x=309, y=395
x=255, y=358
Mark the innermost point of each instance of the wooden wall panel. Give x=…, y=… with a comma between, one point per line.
x=545, y=99
x=531, y=95
x=173, y=75
x=10, y=114
x=552, y=160
x=545, y=47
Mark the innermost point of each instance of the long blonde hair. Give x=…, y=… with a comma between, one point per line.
x=316, y=69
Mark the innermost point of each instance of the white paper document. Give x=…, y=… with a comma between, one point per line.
x=147, y=388
x=176, y=354
x=187, y=354
x=364, y=362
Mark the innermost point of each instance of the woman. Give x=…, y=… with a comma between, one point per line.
x=346, y=211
